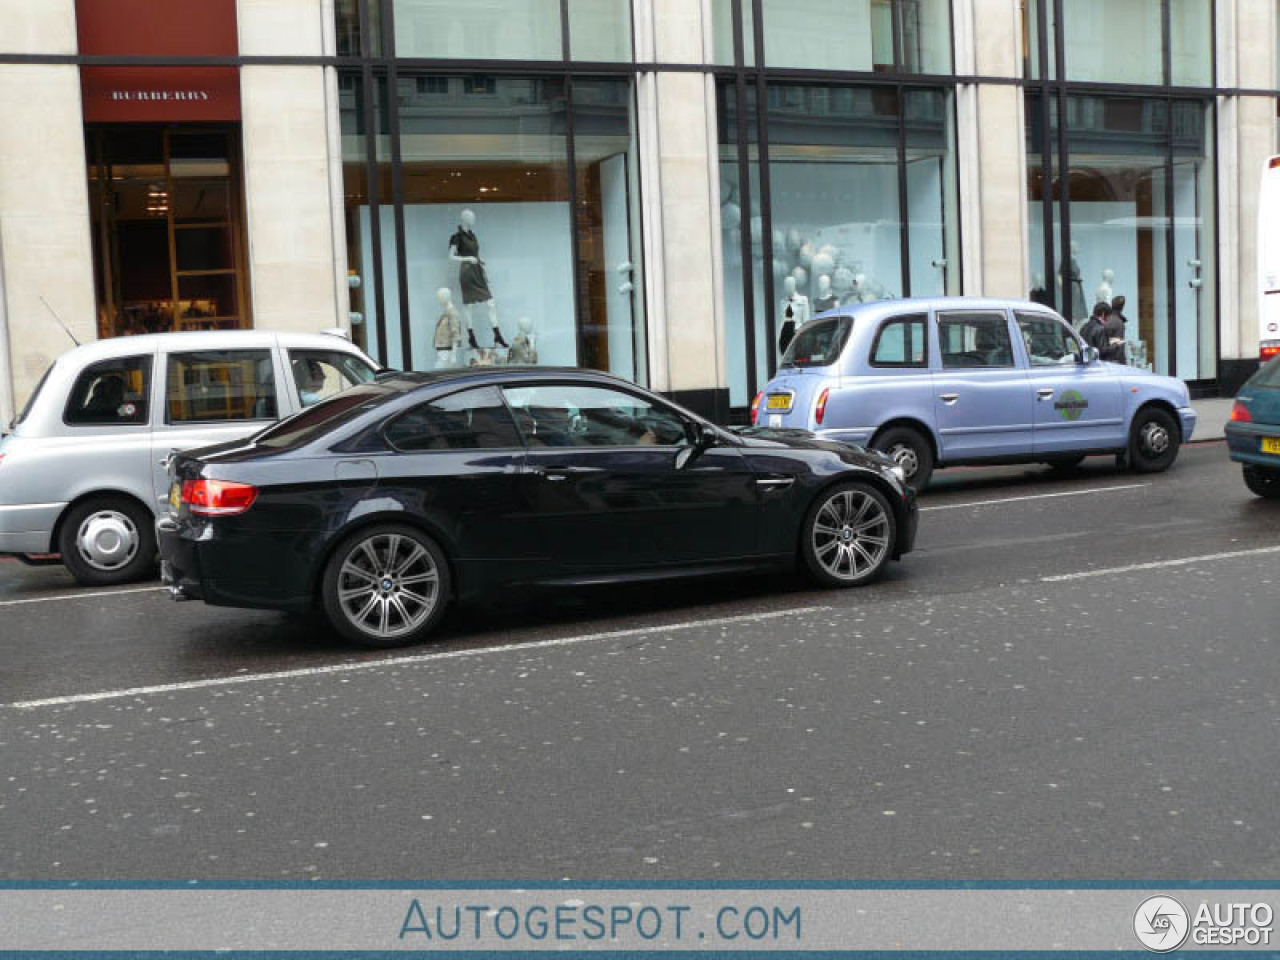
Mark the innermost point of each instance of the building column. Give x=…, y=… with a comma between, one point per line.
x=293, y=265
x=44, y=200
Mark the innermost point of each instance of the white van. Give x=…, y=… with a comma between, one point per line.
x=83, y=472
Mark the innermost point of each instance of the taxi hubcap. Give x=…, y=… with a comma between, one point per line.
x=107, y=540
x=905, y=457
x=1155, y=439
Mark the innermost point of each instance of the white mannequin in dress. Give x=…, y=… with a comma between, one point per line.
x=448, y=335
x=464, y=249
x=794, y=305
x=1106, y=289
x=826, y=298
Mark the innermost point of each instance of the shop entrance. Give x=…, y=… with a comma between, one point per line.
x=167, y=228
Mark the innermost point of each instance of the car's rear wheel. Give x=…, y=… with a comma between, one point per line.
x=911, y=451
x=108, y=540
x=386, y=586
x=1263, y=482
x=1153, y=440
x=848, y=536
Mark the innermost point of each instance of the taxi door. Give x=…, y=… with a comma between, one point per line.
x=1079, y=407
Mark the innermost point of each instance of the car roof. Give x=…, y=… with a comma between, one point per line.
x=406, y=380
x=880, y=308
x=113, y=347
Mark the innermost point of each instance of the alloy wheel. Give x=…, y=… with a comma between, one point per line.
x=851, y=535
x=388, y=585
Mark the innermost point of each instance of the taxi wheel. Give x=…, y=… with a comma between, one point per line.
x=108, y=540
x=386, y=586
x=848, y=536
x=1263, y=482
x=1153, y=441
x=910, y=450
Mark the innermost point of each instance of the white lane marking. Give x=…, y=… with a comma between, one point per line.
x=1034, y=496
x=1158, y=564
x=403, y=661
x=80, y=596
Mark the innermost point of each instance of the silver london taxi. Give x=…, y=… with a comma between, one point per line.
x=83, y=472
x=960, y=380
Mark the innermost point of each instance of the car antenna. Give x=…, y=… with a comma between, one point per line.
x=64, y=327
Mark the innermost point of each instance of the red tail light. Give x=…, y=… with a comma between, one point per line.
x=755, y=407
x=218, y=498
x=1240, y=413
x=821, y=410
x=1269, y=350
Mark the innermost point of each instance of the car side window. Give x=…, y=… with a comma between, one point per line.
x=471, y=420
x=1049, y=340
x=321, y=374
x=561, y=415
x=111, y=392
x=974, y=339
x=211, y=386
x=901, y=342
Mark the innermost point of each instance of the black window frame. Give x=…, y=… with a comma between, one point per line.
x=385, y=430
x=923, y=317
x=148, y=384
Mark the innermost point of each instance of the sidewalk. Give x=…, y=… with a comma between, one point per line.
x=1213, y=415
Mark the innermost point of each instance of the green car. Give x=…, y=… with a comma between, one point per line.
x=1253, y=433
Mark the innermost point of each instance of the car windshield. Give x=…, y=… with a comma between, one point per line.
x=818, y=344
x=1268, y=376
x=302, y=428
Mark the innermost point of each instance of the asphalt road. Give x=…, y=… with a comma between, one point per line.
x=1043, y=690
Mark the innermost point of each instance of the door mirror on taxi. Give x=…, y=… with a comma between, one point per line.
x=1087, y=355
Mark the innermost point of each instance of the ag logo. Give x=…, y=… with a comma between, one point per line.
x=1071, y=404
x=1161, y=924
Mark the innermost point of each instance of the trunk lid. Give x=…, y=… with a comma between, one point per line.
x=789, y=398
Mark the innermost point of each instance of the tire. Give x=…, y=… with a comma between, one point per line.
x=849, y=535
x=909, y=449
x=108, y=540
x=1263, y=482
x=1066, y=462
x=1153, y=441
x=407, y=580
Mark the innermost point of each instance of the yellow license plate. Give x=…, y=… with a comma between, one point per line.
x=1271, y=444
x=175, y=496
x=779, y=401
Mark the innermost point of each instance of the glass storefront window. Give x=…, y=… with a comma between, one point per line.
x=1190, y=37
x=933, y=204
x=479, y=29
x=600, y=30
x=348, y=34
x=500, y=268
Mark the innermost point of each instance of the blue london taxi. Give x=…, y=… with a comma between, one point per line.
x=959, y=380
x=1253, y=432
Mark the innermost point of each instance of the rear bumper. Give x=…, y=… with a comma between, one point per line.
x=179, y=568
x=1187, y=417
x=28, y=527
x=1244, y=443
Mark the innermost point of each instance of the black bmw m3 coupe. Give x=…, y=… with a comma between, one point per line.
x=382, y=505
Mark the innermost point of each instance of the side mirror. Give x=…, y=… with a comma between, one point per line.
x=707, y=437
x=1087, y=355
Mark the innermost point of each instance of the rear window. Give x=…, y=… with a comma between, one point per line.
x=1268, y=376
x=302, y=428
x=819, y=343
x=111, y=393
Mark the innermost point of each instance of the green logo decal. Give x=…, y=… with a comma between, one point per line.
x=1071, y=404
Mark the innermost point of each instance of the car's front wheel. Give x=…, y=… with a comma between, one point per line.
x=1263, y=482
x=386, y=586
x=848, y=536
x=1153, y=440
x=911, y=451
x=108, y=540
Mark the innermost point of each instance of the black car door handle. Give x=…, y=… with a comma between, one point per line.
x=555, y=473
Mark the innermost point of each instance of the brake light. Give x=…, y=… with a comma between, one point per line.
x=821, y=410
x=218, y=498
x=1270, y=349
x=1240, y=413
x=755, y=407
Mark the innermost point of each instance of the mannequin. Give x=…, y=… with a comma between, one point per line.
x=1106, y=290
x=524, y=347
x=842, y=283
x=823, y=262
x=1038, y=292
x=1069, y=273
x=826, y=298
x=448, y=340
x=801, y=277
x=794, y=310
x=464, y=248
